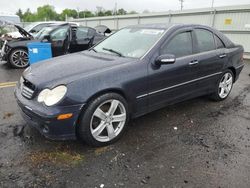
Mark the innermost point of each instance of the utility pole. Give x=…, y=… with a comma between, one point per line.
x=212, y=3
x=181, y=1
x=99, y=9
x=115, y=9
x=78, y=10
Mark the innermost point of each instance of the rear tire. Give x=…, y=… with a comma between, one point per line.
x=18, y=58
x=104, y=120
x=224, y=86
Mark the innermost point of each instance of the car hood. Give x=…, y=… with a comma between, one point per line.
x=68, y=68
x=14, y=34
x=23, y=32
x=21, y=42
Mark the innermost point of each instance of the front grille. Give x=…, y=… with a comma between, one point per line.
x=26, y=92
x=27, y=88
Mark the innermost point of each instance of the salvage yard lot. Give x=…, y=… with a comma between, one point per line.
x=197, y=143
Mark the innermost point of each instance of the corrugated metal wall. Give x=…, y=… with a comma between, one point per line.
x=234, y=21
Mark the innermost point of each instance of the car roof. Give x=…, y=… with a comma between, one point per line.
x=166, y=26
x=61, y=24
x=153, y=26
x=176, y=26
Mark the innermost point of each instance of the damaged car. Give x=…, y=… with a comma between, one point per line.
x=64, y=39
x=35, y=27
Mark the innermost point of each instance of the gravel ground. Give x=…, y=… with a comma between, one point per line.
x=197, y=143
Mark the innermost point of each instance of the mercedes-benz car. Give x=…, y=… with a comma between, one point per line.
x=64, y=38
x=92, y=94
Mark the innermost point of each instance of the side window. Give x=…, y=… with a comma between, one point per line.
x=91, y=32
x=38, y=28
x=60, y=34
x=219, y=43
x=180, y=45
x=205, y=40
x=81, y=32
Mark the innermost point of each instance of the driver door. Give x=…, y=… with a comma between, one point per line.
x=172, y=82
x=82, y=39
x=60, y=40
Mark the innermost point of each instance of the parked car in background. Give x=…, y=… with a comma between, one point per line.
x=138, y=69
x=34, y=28
x=64, y=38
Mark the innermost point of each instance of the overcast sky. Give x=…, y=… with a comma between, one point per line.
x=11, y=6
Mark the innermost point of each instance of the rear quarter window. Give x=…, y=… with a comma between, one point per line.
x=219, y=43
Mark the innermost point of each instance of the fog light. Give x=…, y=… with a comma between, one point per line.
x=64, y=116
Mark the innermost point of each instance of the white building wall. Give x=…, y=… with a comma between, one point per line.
x=234, y=21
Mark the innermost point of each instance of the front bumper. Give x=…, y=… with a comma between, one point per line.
x=44, y=119
x=3, y=56
x=3, y=52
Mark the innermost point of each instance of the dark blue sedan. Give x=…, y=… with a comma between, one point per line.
x=93, y=94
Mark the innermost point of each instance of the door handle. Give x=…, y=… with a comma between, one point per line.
x=195, y=62
x=222, y=55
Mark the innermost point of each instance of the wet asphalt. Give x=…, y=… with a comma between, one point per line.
x=197, y=143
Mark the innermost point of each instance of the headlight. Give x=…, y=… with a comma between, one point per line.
x=51, y=97
x=21, y=83
x=27, y=69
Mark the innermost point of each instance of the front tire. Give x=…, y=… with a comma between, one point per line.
x=18, y=58
x=104, y=120
x=224, y=86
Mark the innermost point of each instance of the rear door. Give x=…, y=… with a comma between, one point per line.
x=82, y=39
x=221, y=48
x=210, y=56
x=60, y=40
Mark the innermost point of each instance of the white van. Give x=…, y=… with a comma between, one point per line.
x=11, y=18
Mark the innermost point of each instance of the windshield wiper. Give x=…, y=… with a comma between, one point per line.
x=92, y=49
x=113, y=51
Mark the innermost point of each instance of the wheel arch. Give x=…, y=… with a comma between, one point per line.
x=15, y=48
x=18, y=47
x=99, y=93
x=234, y=72
x=11, y=51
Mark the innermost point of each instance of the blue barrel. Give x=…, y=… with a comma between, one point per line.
x=39, y=51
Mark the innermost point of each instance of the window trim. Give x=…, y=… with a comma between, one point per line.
x=216, y=42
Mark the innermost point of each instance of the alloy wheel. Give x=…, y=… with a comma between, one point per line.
x=225, y=85
x=108, y=120
x=19, y=58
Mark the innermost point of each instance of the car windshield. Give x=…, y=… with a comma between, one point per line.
x=45, y=31
x=130, y=42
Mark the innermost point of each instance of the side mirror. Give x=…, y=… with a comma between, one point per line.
x=165, y=59
x=46, y=38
